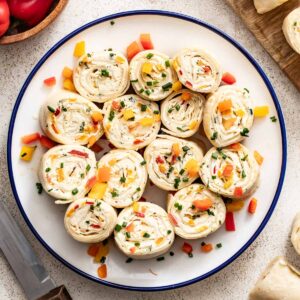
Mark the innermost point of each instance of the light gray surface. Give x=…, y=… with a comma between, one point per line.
x=233, y=282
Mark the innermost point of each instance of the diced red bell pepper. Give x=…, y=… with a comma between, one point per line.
x=146, y=42
x=93, y=250
x=46, y=142
x=30, y=138
x=159, y=160
x=91, y=182
x=137, y=141
x=115, y=105
x=229, y=221
x=187, y=248
x=79, y=153
x=139, y=214
x=50, y=81
x=252, y=206
x=228, y=78
x=188, y=84
x=172, y=219
x=95, y=226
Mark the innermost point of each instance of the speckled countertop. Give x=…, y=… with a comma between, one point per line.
x=233, y=282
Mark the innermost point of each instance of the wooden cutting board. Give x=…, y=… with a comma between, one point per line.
x=267, y=28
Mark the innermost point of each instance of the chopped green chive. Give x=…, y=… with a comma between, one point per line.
x=149, y=55
x=123, y=179
x=245, y=157
x=118, y=227
x=164, y=75
x=141, y=91
x=112, y=23
x=124, y=224
x=39, y=187
x=148, y=92
x=170, y=110
x=122, y=104
x=160, y=258
x=213, y=177
x=245, y=132
x=137, y=244
x=181, y=172
x=219, y=245
x=176, y=182
x=167, y=63
x=185, y=179
x=51, y=109
x=143, y=162
x=114, y=194
x=273, y=119
x=215, y=155
x=178, y=206
x=104, y=73
x=134, y=80
x=246, y=90
x=167, y=86
x=156, y=112
x=185, y=148
x=149, y=83
x=243, y=174
x=127, y=235
x=146, y=235
x=75, y=191
x=169, y=231
x=214, y=136
x=210, y=213
x=138, y=189
x=143, y=107
x=88, y=167
x=111, y=115
x=61, y=165
x=48, y=170
x=177, y=107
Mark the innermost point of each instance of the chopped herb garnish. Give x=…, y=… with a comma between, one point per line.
x=134, y=80
x=149, y=55
x=190, y=255
x=129, y=260
x=81, y=128
x=170, y=110
x=75, y=191
x=112, y=54
x=123, y=179
x=141, y=91
x=114, y=193
x=143, y=162
x=88, y=167
x=137, y=244
x=167, y=63
x=147, y=92
x=51, y=109
x=112, y=23
x=210, y=213
x=127, y=235
x=138, y=189
x=122, y=104
x=88, y=54
x=164, y=75
x=104, y=73
x=103, y=259
x=81, y=175
x=169, y=231
x=213, y=177
x=124, y=224
x=185, y=148
x=245, y=157
x=171, y=253
x=149, y=83
x=111, y=115
x=87, y=222
x=118, y=227
x=146, y=235
x=245, y=132
x=273, y=119
x=219, y=245
x=61, y=165
x=246, y=90
x=160, y=258
x=215, y=155
x=63, y=108
x=214, y=136
x=185, y=179
x=178, y=206
x=243, y=174
x=143, y=107
x=167, y=86
x=181, y=172
x=156, y=112
x=39, y=187
x=177, y=107
x=48, y=170
x=193, y=206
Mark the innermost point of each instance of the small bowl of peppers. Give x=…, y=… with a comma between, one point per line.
x=21, y=19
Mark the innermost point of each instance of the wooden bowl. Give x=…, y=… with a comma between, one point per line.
x=9, y=39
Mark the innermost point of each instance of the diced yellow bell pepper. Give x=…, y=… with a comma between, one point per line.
x=159, y=240
x=228, y=123
x=147, y=68
x=70, y=212
x=235, y=205
x=69, y=85
x=112, y=162
x=202, y=228
x=67, y=72
x=160, y=67
x=191, y=222
x=261, y=111
x=79, y=49
x=177, y=86
x=192, y=167
x=147, y=121
x=27, y=152
x=162, y=168
x=240, y=113
x=98, y=190
x=157, y=117
x=258, y=157
x=128, y=114
x=175, y=64
x=135, y=207
x=129, y=180
x=186, y=96
x=119, y=60
x=97, y=116
x=107, y=127
x=60, y=174
x=193, y=125
x=228, y=184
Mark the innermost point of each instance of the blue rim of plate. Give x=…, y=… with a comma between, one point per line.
x=200, y=23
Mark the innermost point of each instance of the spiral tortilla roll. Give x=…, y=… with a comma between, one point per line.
x=131, y=122
x=65, y=172
x=89, y=220
x=68, y=118
x=197, y=70
x=144, y=231
x=181, y=113
x=102, y=76
x=228, y=116
x=295, y=236
x=128, y=177
x=291, y=29
x=192, y=221
x=172, y=163
x=232, y=171
x=151, y=75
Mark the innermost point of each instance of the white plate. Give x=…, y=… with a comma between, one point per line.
x=170, y=32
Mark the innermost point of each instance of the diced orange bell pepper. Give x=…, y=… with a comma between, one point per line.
x=227, y=170
x=93, y=249
x=224, y=105
x=235, y=205
x=103, y=174
x=238, y=191
x=69, y=85
x=30, y=138
x=186, y=96
x=133, y=49
x=97, y=116
x=252, y=206
x=102, y=271
x=203, y=205
x=67, y=72
x=176, y=149
x=206, y=248
x=146, y=42
x=90, y=183
x=235, y=147
x=130, y=227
